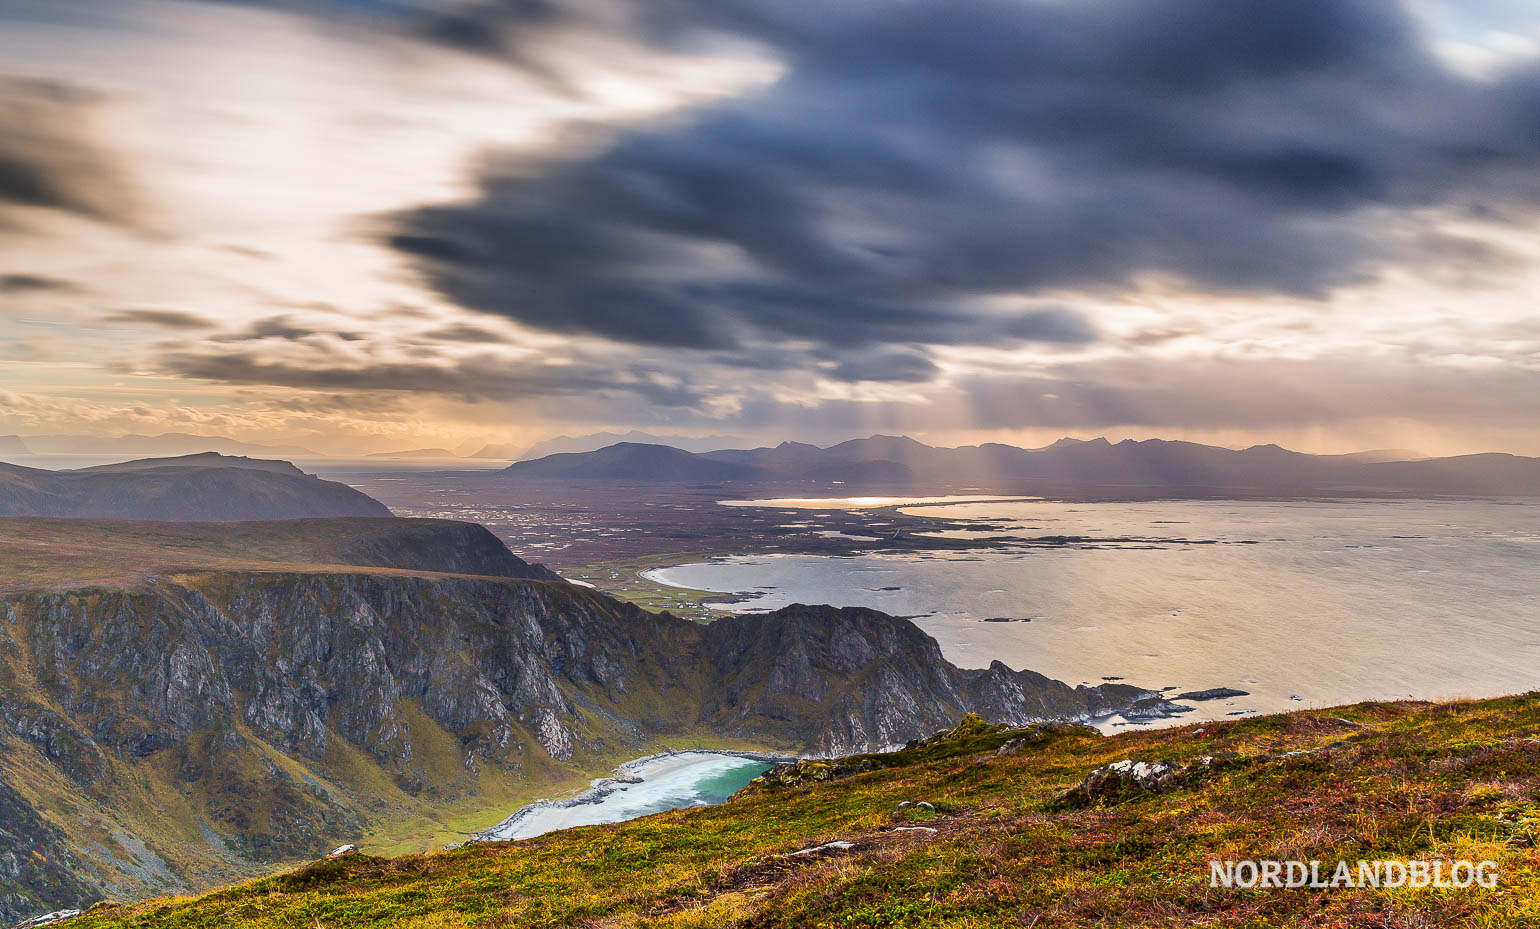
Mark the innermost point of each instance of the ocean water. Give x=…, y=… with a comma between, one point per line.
x=1301, y=604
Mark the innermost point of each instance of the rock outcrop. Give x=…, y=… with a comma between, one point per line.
x=37, y=865
x=841, y=681
x=1122, y=779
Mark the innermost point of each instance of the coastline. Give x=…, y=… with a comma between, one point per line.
x=549, y=815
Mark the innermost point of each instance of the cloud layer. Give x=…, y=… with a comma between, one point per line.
x=52, y=156
x=978, y=216
x=920, y=161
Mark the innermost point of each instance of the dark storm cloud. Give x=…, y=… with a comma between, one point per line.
x=52, y=157
x=462, y=332
x=488, y=27
x=888, y=366
x=283, y=328
x=165, y=319
x=471, y=379
x=35, y=284
x=919, y=158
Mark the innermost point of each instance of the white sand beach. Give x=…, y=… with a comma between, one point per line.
x=645, y=785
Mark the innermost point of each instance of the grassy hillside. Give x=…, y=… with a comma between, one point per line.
x=193, y=487
x=1373, y=781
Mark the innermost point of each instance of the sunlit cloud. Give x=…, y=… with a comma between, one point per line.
x=416, y=224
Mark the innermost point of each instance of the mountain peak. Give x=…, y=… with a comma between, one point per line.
x=200, y=487
x=631, y=461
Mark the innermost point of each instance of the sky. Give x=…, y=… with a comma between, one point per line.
x=365, y=225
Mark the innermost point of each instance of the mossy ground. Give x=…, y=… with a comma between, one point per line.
x=1379, y=781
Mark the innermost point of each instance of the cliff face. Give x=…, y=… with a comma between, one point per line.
x=839, y=681
x=191, y=729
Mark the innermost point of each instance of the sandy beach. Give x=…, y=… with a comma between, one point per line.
x=637, y=788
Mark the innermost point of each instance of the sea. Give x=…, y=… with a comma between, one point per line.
x=1300, y=604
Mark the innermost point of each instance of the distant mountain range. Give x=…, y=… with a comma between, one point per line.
x=417, y=453
x=567, y=444
x=632, y=461
x=1150, y=465
x=205, y=486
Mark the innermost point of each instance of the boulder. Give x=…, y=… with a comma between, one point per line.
x=820, y=851
x=1122, y=779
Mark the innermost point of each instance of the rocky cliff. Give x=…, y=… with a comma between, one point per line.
x=200, y=725
x=837, y=681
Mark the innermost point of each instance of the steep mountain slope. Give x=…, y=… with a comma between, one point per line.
x=1065, y=466
x=1032, y=827
x=196, y=487
x=194, y=724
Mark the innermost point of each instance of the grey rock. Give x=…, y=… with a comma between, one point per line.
x=1154, y=708
x=1121, y=779
x=822, y=851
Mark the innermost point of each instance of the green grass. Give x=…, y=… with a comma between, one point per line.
x=1446, y=781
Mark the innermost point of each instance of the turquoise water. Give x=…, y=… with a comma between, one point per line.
x=717, y=787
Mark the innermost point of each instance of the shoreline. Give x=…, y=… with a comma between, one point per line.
x=550, y=815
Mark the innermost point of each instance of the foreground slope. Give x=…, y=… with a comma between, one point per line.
x=1006, y=843
x=215, y=708
x=193, y=487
